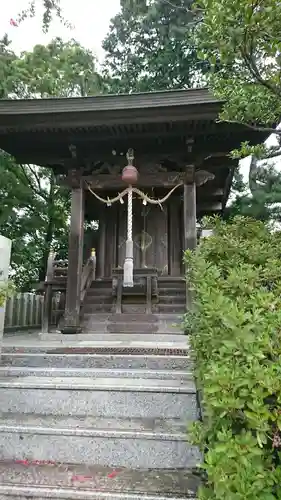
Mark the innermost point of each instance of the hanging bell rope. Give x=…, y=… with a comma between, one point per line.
x=130, y=176
x=128, y=277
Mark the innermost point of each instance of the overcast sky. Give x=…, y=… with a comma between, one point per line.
x=90, y=18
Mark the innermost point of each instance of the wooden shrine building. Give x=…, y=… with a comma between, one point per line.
x=181, y=154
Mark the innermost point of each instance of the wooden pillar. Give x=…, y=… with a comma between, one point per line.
x=110, y=241
x=101, y=247
x=48, y=294
x=189, y=216
x=71, y=323
x=174, y=237
x=190, y=233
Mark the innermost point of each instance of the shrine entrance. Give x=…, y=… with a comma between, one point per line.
x=157, y=240
x=143, y=223
x=181, y=154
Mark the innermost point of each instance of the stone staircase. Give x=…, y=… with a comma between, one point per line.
x=100, y=415
x=98, y=310
x=172, y=295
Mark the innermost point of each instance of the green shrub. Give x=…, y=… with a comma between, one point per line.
x=235, y=329
x=6, y=290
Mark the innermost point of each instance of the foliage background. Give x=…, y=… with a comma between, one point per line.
x=34, y=210
x=241, y=41
x=235, y=334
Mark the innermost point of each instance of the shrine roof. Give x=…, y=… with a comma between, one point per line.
x=109, y=102
x=41, y=131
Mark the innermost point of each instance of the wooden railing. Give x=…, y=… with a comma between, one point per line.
x=88, y=276
x=56, y=281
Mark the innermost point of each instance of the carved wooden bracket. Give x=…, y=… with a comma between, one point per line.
x=200, y=177
x=75, y=178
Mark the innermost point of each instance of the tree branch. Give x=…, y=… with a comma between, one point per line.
x=26, y=177
x=247, y=53
x=39, y=192
x=258, y=128
x=34, y=173
x=272, y=155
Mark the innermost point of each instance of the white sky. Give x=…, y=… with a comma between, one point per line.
x=90, y=18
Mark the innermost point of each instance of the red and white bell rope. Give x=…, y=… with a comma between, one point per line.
x=128, y=276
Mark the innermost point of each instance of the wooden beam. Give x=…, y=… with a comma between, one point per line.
x=50, y=150
x=158, y=153
x=207, y=192
x=161, y=179
x=71, y=323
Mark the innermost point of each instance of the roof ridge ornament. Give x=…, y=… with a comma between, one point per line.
x=130, y=173
x=73, y=150
x=130, y=157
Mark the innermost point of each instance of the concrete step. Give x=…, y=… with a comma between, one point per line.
x=134, y=335
x=135, y=318
x=113, y=442
x=97, y=361
x=133, y=323
x=106, y=397
x=42, y=481
x=138, y=346
x=132, y=327
x=95, y=373
x=164, y=323
x=91, y=326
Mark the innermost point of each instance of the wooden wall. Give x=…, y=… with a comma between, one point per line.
x=159, y=228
